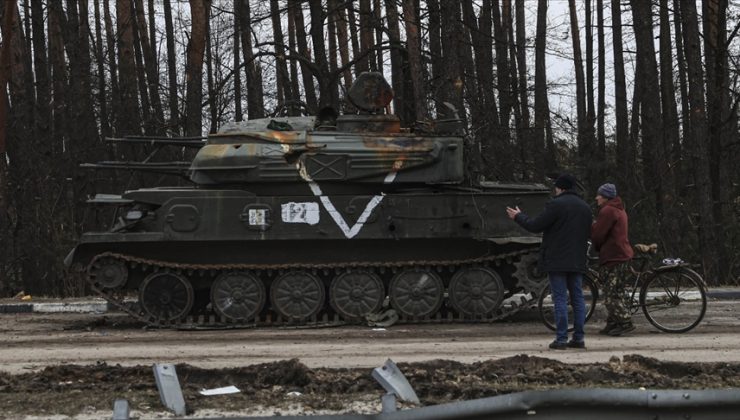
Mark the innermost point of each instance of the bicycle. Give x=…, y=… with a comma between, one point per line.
x=671, y=295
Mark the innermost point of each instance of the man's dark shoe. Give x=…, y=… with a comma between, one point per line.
x=576, y=344
x=557, y=345
x=621, y=329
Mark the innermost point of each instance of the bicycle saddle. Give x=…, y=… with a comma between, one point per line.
x=646, y=249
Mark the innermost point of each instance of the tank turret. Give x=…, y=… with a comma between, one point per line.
x=366, y=148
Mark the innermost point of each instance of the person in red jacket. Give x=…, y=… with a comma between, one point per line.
x=609, y=237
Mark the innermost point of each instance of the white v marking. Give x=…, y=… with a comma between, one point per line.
x=348, y=231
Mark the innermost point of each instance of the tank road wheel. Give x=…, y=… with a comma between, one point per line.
x=416, y=293
x=297, y=295
x=356, y=294
x=166, y=297
x=108, y=273
x=237, y=296
x=528, y=276
x=476, y=291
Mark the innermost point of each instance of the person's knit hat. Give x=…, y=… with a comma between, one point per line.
x=565, y=182
x=607, y=191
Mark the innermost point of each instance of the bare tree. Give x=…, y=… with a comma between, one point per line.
x=696, y=140
x=150, y=66
x=624, y=163
x=296, y=12
x=105, y=128
x=367, y=61
x=255, y=96
x=283, y=86
x=584, y=148
x=543, y=160
x=342, y=38
x=238, y=113
x=128, y=120
x=668, y=93
x=601, y=89
x=656, y=170
x=194, y=67
x=723, y=120
x=171, y=68
x=401, y=103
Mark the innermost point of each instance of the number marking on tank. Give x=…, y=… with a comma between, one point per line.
x=293, y=212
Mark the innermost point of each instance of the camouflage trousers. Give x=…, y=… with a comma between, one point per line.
x=612, y=286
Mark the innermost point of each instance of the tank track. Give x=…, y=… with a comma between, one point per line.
x=528, y=289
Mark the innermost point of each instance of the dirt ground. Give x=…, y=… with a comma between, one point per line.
x=75, y=365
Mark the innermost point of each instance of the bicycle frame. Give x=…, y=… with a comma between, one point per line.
x=652, y=289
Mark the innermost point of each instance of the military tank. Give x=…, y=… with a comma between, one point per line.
x=322, y=220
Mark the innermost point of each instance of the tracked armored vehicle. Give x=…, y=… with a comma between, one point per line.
x=316, y=221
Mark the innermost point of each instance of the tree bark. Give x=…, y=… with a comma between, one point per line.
x=293, y=64
x=105, y=129
x=238, y=113
x=521, y=58
x=401, y=105
x=484, y=60
x=296, y=11
x=625, y=165
x=723, y=121
x=469, y=39
x=255, y=95
x=453, y=84
x=683, y=85
x=700, y=132
x=367, y=62
x=590, y=107
x=544, y=152
x=502, y=75
x=151, y=68
x=328, y=95
x=59, y=77
x=172, y=69
x=210, y=84
x=584, y=148
x=601, y=89
x=8, y=16
x=670, y=137
x=194, y=68
x=354, y=35
x=41, y=71
x=281, y=68
x=415, y=67
x=128, y=121
x=150, y=125
x=378, y=24
x=343, y=37
x=654, y=157
x=331, y=27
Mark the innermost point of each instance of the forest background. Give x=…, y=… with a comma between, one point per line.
x=641, y=93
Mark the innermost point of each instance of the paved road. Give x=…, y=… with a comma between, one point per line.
x=34, y=340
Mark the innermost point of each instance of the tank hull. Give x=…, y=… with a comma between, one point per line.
x=404, y=245
x=192, y=226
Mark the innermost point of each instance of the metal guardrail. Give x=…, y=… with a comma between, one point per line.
x=572, y=404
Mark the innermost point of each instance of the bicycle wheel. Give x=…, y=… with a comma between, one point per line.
x=547, y=309
x=674, y=299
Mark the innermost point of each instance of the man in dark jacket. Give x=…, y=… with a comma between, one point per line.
x=566, y=225
x=610, y=238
